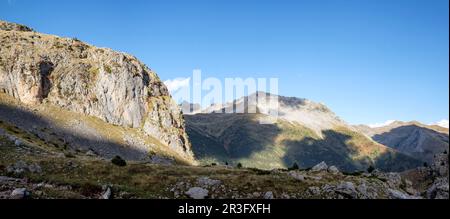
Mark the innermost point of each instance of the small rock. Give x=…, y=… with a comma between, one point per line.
x=362, y=189
x=17, y=142
x=320, y=167
x=206, y=181
x=197, y=193
x=19, y=193
x=314, y=191
x=268, y=195
x=107, y=194
x=38, y=193
x=395, y=194
x=34, y=168
x=347, y=188
x=296, y=175
x=333, y=170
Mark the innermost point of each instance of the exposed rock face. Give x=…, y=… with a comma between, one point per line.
x=439, y=189
x=112, y=86
x=431, y=181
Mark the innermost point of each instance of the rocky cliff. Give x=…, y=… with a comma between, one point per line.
x=115, y=87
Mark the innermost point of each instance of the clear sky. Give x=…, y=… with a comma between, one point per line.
x=368, y=60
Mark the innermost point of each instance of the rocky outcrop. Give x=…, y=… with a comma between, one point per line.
x=13, y=26
x=115, y=87
x=439, y=189
x=431, y=181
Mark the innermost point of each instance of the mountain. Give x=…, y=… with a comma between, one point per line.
x=443, y=123
x=86, y=98
x=412, y=138
x=304, y=132
x=67, y=108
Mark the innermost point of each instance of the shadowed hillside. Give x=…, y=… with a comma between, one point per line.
x=412, y=138
x=240, y=138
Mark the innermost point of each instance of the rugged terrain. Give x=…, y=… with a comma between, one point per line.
x=79, y=91
x=413, y=138
x=40, y=171
x=304, y=132
x=77, y=121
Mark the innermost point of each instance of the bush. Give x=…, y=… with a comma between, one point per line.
x=213, y=164
x=370, y=169
x=239, y=165
x=117, y=160
x=294, y=167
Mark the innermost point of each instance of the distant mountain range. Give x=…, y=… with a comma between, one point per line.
x=413, y=138
x=304, y=132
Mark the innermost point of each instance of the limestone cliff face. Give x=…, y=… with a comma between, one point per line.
x=113, y=86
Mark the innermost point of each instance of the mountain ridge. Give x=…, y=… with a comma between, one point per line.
x=241, y=138
x=413, y=138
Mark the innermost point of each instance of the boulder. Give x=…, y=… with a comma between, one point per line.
x=20, y=193
x=322, y=166
x=348, y=189
x=314, y=191
x=396, y=194
x=107, y=194
x=17, y=142
x=439, y=189
x=333, y=170
x=197, y=193
x=296, y=175
x=34, y=168
x=268, y=195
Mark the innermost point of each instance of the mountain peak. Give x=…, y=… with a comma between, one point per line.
x=315, y=116
x=116, y=88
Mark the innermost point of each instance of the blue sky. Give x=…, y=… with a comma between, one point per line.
x=368, y=60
